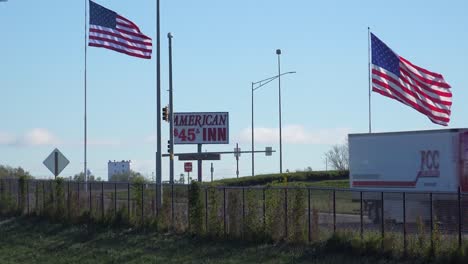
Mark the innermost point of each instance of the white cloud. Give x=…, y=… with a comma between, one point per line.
x=7, y=138
x=34, y=137
x=39, y=136
x=294, y=134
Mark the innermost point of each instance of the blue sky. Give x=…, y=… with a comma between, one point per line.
x=219, y=48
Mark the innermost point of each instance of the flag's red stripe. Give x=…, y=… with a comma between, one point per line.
x=120, y=36
x=419, y=101
x=406, y=77
x=129, y=22
x=120, y=50
x=426, y=81
x=434, y=74
x=132, y=33
x=117, y=46
x=436, y=119
x=128, y=27
x=416, y=93
x=120, y=43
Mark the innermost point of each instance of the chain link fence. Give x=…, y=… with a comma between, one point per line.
x=402, y=221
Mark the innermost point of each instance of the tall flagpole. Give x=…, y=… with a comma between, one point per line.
x=85, y=121
x=369, y=76
x=158, y=110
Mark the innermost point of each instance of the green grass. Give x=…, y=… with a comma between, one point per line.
x=36, y=241
x=301, y=176
x=342, y=184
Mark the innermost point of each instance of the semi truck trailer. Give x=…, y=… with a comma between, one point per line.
x=427, y=161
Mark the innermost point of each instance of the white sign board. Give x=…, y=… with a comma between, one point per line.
x=56, y=162
x=201, y=128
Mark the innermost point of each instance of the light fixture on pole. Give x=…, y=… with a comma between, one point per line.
x=255, y=86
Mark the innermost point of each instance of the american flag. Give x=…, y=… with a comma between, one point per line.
x=109, y=30
x=395, y=77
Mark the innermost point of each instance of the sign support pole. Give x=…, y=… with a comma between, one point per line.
x=56, y=164
x=199, y=164
x=212, y=170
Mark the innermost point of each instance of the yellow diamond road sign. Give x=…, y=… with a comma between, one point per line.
x=56, y=162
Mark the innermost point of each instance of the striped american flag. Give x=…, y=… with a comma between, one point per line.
x=395, y=77
x=109, y=30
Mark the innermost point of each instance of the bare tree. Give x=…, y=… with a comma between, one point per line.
x=338, y=157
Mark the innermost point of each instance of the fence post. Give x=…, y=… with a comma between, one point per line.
x=243, y=212
x=432, y=223
x=36, y=194
x=143, y=204
x=404, y=225
x=43, y=197
x=224, y=210
x=172, y=203
x=206, y=209
x=18, y=197
x=27, y=195
x=102, y=200
x=78, y=194
x=115, y=199
x=90, y=199
x=52, y=190
x=459, y=219
x=68, y=199
x=156, y=198
x=334, y=211
x=188, y=207
x=10, y=190
x=361, y=216
x=286, y=213
x=264, y=209
x=382, y=218
x=128, y=201
x=308, y=215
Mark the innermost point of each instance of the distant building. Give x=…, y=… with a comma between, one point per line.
x=117, y=167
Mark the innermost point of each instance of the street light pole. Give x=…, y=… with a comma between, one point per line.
x=278, y=52
x=253, y=158
x=260, y=84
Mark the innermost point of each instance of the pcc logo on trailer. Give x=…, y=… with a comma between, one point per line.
x=429, y=166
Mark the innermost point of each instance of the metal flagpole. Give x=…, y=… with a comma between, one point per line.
x=171, y=115
x=158, y=110
x=85, y=121
x=369, y=76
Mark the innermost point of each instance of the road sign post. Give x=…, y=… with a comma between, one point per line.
x=199, y=163
x=212, y=170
